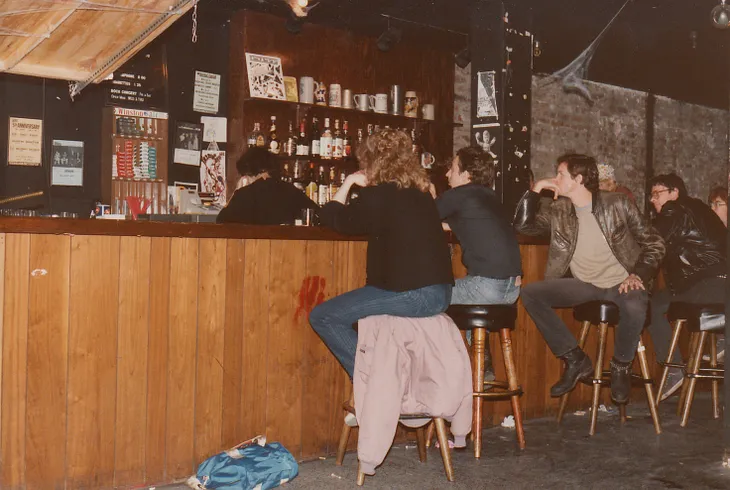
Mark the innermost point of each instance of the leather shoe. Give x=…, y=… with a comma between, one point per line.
x=577, y=366
x=620, y=381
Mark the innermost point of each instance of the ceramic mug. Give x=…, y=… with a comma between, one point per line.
x=320, y=93
x=379, y=103
x=335, y=95
x=429, y=112
x=347, y=98
x=427, y=160
x=306, y=90
x=411, y=104
x=361, y=102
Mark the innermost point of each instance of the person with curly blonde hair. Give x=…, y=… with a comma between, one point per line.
x=408, y=261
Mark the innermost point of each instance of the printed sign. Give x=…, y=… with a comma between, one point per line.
x=25, y=141
x=207, y=92
x=67, y=163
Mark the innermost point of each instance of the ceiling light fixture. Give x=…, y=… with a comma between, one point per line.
x=721, y=16
x=389, y=38
x=302, y=3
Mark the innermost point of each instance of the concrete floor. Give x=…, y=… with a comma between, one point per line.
x=556, y=457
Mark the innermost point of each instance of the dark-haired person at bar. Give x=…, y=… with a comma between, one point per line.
x=408, y=261
x=612, y=254
x=695, y=266
x=262, y=198
x=717, y=200
x=490, y=251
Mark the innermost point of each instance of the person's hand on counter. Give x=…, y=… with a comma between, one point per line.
x=357, y=178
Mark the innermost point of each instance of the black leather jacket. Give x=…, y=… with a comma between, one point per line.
x=634, y=243
x=696, y=243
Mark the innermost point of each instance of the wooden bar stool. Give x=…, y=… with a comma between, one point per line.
x=483, y=319
x=420, y=441
x=701, y=321
x=605, y=314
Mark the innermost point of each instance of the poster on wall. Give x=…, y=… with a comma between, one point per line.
x=67, y=163
x=265, y=77
x=188, y=141
x=213, y=174
x=25, y=141
x=214, y=128
x=207, y=92
x=486, y=96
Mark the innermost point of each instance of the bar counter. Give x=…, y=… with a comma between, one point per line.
x=132, y=351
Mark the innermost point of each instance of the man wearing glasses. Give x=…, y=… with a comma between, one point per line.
x=695, y=263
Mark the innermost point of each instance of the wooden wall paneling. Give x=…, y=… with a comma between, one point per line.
x=182, y=353
x=157, y=360
x=256, y=346
x=317, y=360
x=132, y=337
x=92, y=374
x=14, y=357
x=211, y=324
x=45, y=456
x=284, y=382
x=233, y=340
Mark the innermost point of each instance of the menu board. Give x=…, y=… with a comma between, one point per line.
x=139, y=83
x=25, y=141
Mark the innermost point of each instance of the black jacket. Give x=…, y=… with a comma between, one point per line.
x=696, y=243
x=266, y=202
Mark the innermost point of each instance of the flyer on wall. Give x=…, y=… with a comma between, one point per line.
x=213, y=174
x=67, y=163
x=188, y=143
x=25, y=141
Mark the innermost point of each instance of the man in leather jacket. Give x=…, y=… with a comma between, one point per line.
x=601, y=239
x=695, y=264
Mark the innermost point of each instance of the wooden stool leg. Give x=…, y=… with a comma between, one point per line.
x=342, y=446
x=421, y=443
x=673, y=346
x=694, y=338
x=509, y=366
x=715, y=382
x=479, y=336
x=581, y=343
x=360, y=477
x=644, y=364
x=444, y=443
x=429, y=434
x=695, y=368
x=598, y=375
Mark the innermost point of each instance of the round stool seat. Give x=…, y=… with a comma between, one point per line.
x=706, y=317
x=491, y=317
x=597, y=312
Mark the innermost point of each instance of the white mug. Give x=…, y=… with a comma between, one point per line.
x=361, y=101
x=347, y=98
x=335, y=95
x=306, y=90
x=379, y=103
x=429, y=112
x=427, y=160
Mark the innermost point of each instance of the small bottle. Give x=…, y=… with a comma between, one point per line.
x=333, y=183
x=315, y=146
x=346, y=144
x=291, y=142
x=303, y=141
x=370, y=129
x=322, y=187
x=286, y=174
x=325, y=141
x=253, y=136
x=312, y=188
x=338, y=148
x=274, y=144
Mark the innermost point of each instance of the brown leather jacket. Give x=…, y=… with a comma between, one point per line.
x=635, y=244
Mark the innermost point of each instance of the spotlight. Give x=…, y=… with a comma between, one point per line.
x=302, y=3
x=293, y=24
x=721, y=16
x=389, y=38
x=463, y=58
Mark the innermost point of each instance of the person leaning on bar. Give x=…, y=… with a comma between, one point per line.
x=613, y=255
x=408, y=260
x=261, y=197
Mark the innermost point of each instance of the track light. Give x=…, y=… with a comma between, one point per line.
x=463, y=58
x=389, y=38
x=721, y=16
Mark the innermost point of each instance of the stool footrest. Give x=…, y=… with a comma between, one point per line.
x=498, y=395
x=706, y=376
x=606, y=379
x=679, y=365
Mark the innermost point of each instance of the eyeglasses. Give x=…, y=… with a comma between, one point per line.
x=655, y=194
x=717, y=204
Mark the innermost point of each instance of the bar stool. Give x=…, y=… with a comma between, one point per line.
x=700, y=320
x=483, y=319
x=441, y=434
x=605, y=314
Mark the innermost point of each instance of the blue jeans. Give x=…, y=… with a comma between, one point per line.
x=477, y=290
x=333, y=319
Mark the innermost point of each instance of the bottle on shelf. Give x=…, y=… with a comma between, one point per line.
x=303, y=141
x=325, y=141
x=315, y=146
x=322, y=186
x=274, y=143
x=334, y=184
x=255, y=137
x=338, y=147
x=312, y=188
x=286, y=173
x=291, y=142
x=346, y=144
x=415, y=144
x=370, y=129
x=298, y=177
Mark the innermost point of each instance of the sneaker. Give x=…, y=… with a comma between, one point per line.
x=720, y=350
x=675, y=378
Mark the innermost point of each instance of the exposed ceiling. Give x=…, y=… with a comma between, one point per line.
x=79, y=40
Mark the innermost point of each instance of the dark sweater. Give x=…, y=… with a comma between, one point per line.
x=266, y=202
x=477, y=218
x=407, y=248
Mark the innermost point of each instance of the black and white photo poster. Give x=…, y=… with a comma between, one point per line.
x=486, y=97
x=67, y=163
x=188, y=143
x=265, y=78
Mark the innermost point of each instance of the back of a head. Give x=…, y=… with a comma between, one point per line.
x=258, y=160
x=671, y=181
x=387, y=157
x=478, y=163
x=579, y=164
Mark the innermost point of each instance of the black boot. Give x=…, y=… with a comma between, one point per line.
x=577, y=366
x=620, y=381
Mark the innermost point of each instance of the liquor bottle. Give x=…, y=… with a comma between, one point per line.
x=256, y=137
x=346, y=144
x=334, y=183
x=414, y=144
x=303, y=141
x=370, y=129
x=325, y=141
x=286, y=174
x=298, y=178
x=312, y=188
x=315, y=146
x=274, y=143
x=251, y=138
x=291, y=142
x=322, y=186
x=338, y=149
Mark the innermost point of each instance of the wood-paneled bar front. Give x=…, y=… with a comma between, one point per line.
x=133, y=351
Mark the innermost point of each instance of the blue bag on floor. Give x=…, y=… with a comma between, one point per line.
x=251, y=465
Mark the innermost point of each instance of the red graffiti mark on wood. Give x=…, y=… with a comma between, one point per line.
x=310, y=295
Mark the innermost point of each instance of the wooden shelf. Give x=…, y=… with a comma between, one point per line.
x=394, y=117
